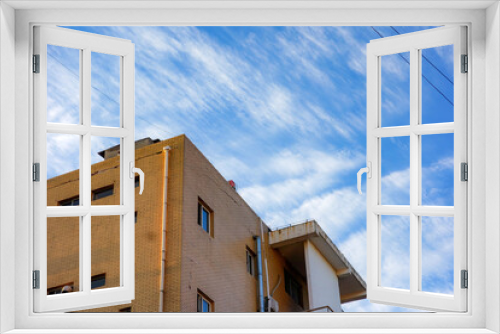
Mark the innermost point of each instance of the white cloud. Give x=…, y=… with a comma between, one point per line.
x=395, y=188
x=334, y=211
x=63, y=154
x=300, y=174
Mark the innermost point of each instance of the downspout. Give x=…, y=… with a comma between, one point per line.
x=166, y=149
x=265, y=262
x=259, y=273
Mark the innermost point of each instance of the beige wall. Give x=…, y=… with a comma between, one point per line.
x=63, y=232
x=216, y=264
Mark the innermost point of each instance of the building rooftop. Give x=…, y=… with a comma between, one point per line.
x=115, y=150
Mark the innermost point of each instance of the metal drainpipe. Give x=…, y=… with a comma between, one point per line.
x=259, y=273
x=166, y=149
x=265, y=260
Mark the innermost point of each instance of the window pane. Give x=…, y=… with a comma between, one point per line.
x=105, y=171
x=437, y=169
x=63, y=163
x=437, y=84
x=395, y=92
x=105, y=251
x=206, y=306
x=105, y=90
x=395, y=252
x=205, y=219
x=437, y=254
x=63, y=85
x=395, y=171
x=63, y=255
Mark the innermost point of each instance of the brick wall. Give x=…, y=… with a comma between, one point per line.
x=217, y=265
x=63, y=233
x=195, y=260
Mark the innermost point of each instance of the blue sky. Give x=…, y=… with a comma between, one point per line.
x=282, y=112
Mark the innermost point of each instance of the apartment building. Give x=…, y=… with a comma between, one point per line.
x=196, y=242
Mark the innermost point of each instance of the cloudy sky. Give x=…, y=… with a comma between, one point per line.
x=282, y=112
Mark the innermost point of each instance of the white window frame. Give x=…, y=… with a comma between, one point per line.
x=413, y=44
x=87, y=44
x=484, y=145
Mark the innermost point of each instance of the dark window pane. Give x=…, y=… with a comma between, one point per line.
x=98, y=281
x=101, y=193
x=293, y=288
x=75, y=201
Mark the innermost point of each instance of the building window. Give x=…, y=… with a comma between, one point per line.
x=98, y=281
x=250, y=258
x=65, y=288
x=102, y=192
x=73, y=201
x=205, y=217
x=293, y=288
x=204, y=304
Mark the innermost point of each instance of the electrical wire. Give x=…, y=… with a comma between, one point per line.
x=423, y=75
x=429, y=61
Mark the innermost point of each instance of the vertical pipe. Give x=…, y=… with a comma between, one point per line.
x=166, y=149
x=265, y=262
x=259, y=273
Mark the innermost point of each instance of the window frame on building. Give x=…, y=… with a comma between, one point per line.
x=250, y=259
x=100, y=278
x=201, y=300
x=71, y=200
x=71, y=284
x=97, y=194
x=293, y=288
x=483, y=310
x=204, y=208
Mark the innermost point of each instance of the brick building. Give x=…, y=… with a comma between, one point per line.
x=195, y=242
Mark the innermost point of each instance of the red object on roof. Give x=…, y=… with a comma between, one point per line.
x=232, y=184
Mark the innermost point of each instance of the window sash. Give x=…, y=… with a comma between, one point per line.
x=413, y=43
x=86, y=297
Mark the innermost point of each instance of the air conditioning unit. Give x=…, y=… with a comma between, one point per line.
x=271, y=305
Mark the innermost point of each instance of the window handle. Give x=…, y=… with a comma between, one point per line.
x=139, y=171
x=368, y=171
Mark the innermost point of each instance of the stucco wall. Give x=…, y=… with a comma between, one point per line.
x=322, y=280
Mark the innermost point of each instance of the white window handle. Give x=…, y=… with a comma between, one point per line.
x=139, y=171
x=368, y=171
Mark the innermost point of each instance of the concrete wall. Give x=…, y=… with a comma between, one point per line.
x=322, y=280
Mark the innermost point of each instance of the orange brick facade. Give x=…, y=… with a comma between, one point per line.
x=195, y=260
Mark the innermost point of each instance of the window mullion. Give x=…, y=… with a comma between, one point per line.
x=414, y=171
x=85, y=174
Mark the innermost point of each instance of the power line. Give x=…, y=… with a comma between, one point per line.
x=423, y=76
x=429, y=61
